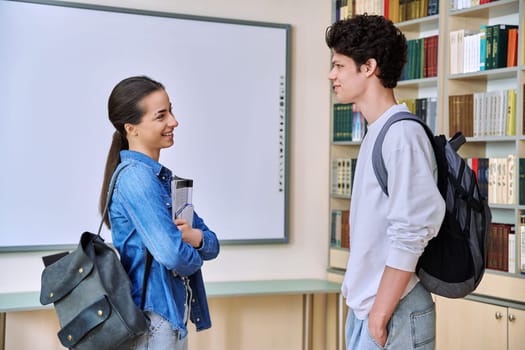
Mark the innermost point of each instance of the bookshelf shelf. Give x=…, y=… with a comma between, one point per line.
x=346, y=143
x=417, y=83
x=492, y=9
x=488, y=139
x=503, y=206
x=339, y=196
x=492, y=74
x=419, y=24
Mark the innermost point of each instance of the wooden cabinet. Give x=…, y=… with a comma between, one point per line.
x=516, y=328
x=479, y=324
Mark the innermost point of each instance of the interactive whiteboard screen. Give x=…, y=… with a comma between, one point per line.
x=228, y=81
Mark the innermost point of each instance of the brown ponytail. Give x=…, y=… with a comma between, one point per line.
x=118, y=143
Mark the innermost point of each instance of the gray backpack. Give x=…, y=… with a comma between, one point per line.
x=453, y=263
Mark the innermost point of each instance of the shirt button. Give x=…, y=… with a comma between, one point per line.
x=198, y=319
x=193, y=300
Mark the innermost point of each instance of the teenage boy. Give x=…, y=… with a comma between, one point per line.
x=388, y=307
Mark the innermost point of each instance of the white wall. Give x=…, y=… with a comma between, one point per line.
x=306, y=254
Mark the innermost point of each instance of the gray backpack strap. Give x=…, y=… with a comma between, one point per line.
x=377, y=155
x=110, y=192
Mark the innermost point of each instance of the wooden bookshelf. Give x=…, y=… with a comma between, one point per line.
x=501, y=288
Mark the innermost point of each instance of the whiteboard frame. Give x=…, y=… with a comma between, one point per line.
x=286, y=145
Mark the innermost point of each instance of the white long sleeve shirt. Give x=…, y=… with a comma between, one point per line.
x=391, y=230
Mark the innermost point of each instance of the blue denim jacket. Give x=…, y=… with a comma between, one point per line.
x=140, y=216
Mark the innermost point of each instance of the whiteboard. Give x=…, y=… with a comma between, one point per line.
x=228, y=81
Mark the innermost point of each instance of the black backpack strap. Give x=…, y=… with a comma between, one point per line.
x=457, y=140
x=147, y=269
x=378, y=162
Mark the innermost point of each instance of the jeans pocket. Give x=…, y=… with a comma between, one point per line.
x=389, y=330
x=373, y=343
x=423, y=328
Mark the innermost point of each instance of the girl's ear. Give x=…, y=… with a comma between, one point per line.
x=131, y=130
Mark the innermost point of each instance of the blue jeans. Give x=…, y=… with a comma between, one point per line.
x=160, y=336
x=412, y=326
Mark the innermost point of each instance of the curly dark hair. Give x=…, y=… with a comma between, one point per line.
x=370, y=36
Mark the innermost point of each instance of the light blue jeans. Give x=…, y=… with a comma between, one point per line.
x=160, y=336
x=412, y=326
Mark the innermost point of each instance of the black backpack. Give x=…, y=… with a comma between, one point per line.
x=453, y=263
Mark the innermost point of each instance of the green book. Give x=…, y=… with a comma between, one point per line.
x=521, y=181
x=488, y=47
x=500, y=36
x=342, y=122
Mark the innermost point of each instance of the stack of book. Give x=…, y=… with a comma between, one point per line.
x=422, y=58
x=182, y=193
x=426, y=109
x=482, y=114
x=340, y=229
x=343, y=170
x=347, y=125
x=496, y=178
x=501, y=252
x=491, y=47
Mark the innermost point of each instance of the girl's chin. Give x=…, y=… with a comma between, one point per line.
x=168, y=144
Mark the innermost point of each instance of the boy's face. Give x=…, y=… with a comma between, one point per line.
x=347, y=79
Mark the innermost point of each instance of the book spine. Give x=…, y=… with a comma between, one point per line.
x=345, y=229
x=511, y=179
x=491, y=248
x=489, y=45
x=482, y=47
x=521, y=181
x=511, y=112
x=512, y=250
x=512, y=47
x=522, y=244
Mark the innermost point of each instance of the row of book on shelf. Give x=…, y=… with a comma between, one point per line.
x=480, y=114
x=496, y=178
x=501, y=246
x=490, y=47
x=425, y=108
x=395, y=10
x=502, y=250
x=340, y=229
x=352, y=126
x=422, y=58
x=347, y=125
x=343, y=170
x=465, y=4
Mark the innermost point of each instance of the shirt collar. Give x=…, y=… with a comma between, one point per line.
x=159, y=169
x=378, y=124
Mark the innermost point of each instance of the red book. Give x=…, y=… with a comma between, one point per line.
x=426, y=56
x=434, y=56
x=512, y=48
x=475, y=167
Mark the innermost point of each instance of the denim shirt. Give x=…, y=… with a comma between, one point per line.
x=140, y=217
